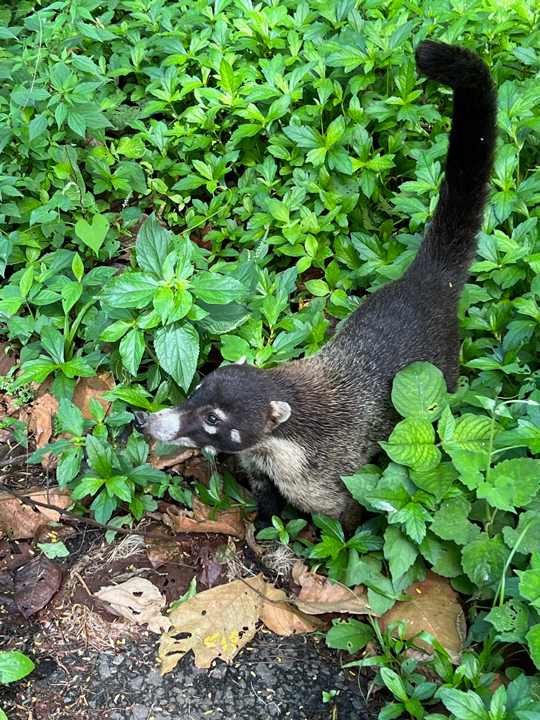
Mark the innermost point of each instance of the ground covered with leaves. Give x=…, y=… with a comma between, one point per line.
x=186, y=183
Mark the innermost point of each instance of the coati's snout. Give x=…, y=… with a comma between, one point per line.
x=231, y=411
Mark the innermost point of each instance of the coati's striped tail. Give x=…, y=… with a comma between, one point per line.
x=450, y=242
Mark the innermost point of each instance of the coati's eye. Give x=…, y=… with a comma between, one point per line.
x=212, y=419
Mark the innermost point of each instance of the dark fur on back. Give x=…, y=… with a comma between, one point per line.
x=302, y=426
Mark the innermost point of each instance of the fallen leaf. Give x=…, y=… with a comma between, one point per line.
x=136, y=600
x=7, y=358
x=14, y=555
x=434, y=608
x=211, y=568
x=318, y=595
x=41, y=423
x=218, y=622
x=252, y=542
x=160, y=552
x=92, y=387
x=53, y=533
x=283, y=619
x=18, y=520
x=227, y=522
x=35, y=584
x=161, y=462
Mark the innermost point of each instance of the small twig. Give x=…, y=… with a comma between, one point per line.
x=19, y=460
x=263, y=596
x=518, y=69
x=314, y=706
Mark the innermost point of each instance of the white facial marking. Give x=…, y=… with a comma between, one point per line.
x=221, y=415
x=210, y=450
x=235, y=436
x=198, y=386
x=165, y=426
x=210, y=429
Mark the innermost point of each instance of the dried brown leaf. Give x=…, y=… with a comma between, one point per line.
x=434, y=608
x=318, y=595
x=7, y=358
x=18, y=520
x=41, y=423
x=35, y=584
x=92, y=387
x=283, y=619
x=227, y=522
x=137, y=600
x=161, y=462
x=218, y=622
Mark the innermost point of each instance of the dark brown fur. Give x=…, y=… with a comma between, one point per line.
x=304, y=425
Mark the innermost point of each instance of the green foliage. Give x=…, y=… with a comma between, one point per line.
x=14, y=666
x=182, y=178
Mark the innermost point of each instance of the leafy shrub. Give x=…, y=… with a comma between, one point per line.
x=186, y=176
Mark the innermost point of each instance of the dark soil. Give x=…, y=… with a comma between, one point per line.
x=272, y=678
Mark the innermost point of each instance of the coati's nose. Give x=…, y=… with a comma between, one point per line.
x=140, y=420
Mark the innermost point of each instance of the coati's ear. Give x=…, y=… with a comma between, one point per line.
x=242, y=361
x=279, y=413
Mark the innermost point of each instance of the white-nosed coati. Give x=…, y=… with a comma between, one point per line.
x=299, y=427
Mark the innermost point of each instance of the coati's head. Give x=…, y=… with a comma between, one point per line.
x=231, y=410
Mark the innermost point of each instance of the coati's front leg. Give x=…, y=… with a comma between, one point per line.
x=270, y=500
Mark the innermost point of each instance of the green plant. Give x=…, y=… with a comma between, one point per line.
x=229, y=496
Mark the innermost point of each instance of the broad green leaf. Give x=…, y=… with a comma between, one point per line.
x=70, y=295
x=512, y=483
x=132, y=348
x=451, y=521
x=484, y=558
x=278, y=210
x=100, y=456
x=52, y=341
x=436, y=481
x=115, y=331
x=419, y=391
x=412, y=443
x=227, y=79
x=37, y=127
x=399, y=551
x=70, y=418
x=527, y=533
x=129, y=290
x=304, y=136
x=511, y=621
x=153, y=244
x=14, y=666
x=217, y=289
x=351, y=636
x=93, y=235
x=69, y=466
x=394, y=683
x=464, y=705
x=35, y=371
x=54, y=549
x=104, y=506
x=533, y=641
x=177, y=348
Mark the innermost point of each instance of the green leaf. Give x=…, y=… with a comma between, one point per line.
x=394, y=683
x=115, y=331
x=464, y=705
x=412, y=443
x=335, y=131
x=304, y=136
x=87, y=486
x=14, y=666
x=153, y=244
x=529, y=527
x=399, y=551
x=319, y=288
x=132, y=347
x=70, y=295
x=419, y=391
x=69, y=466
x=54, y=549
x=512, y=483
x=93, y=235
x=278, y=108
x=104, y=506
x=177, y=348
x=484, y=558
x=278, y=210
x=35, y=371
x=53, y=342
x=118, y=486
x=436, y=481
x=533, y=641
x=351, y=636
x=100, y=456
x=129, y=290
x=511, y=621
x=37, y=127
x=348, y=57
x=227, y=79
x=70, y=418
x=217, y=289
x=451, y=521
